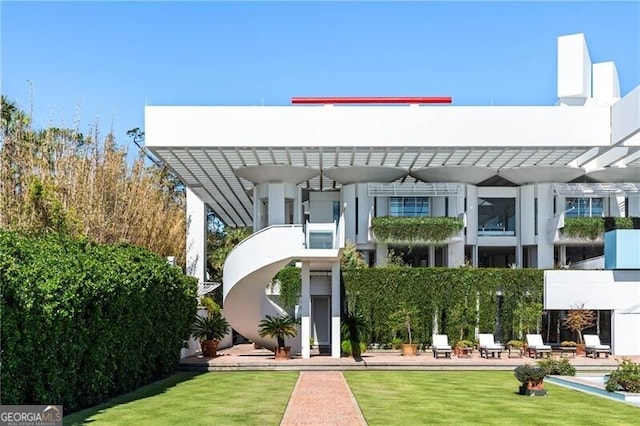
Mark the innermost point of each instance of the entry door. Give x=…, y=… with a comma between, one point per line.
x=321, y=314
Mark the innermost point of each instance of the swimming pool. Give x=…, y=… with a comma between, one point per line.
x=595, y=386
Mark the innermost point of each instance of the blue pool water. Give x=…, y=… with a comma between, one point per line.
x=595, y=386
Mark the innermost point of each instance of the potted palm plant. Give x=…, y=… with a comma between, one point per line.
x=279, y=327
x=354, y=329
x=210, y=330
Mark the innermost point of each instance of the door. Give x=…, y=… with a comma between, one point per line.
x=321, y=317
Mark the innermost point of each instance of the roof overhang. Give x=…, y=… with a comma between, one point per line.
x=597, y=190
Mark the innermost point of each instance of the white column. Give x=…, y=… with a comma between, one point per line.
x=276, y=204
x=196, y=237
x=545, y=211
x=348, y=194
x=432, y=255
x=364, y=204
x=305, y=310
x=257, y=210
x=335, y=310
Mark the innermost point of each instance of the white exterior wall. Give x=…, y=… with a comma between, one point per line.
x=574, y=69
x=606, y=85
x=600, y=290
x=366, y=126
x=625, y=119
x=321, y=206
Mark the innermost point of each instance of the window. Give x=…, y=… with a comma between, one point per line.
x=336, y=211
x=496, y=216
x=409, y=206
x=584, y=207
x=320, y=240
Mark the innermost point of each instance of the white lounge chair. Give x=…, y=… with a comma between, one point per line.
x=536, y=346
x=488, y=346
x=592, y=346
x=440, y=345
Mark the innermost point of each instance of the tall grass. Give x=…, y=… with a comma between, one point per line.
x=59, y=180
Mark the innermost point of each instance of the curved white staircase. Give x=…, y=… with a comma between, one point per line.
x=250, y=267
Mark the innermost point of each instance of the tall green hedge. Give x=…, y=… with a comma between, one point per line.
x=450, y=294
x=82, y=322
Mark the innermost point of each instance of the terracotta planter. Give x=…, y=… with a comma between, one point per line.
x=283, y=353
x=209, y=348
x=580, y=349
x=533, y=389
x=409, y=349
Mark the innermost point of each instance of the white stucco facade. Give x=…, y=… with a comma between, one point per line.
x=512, y=174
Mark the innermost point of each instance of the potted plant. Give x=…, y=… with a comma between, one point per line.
x=401, y=321
x=279, y=327
x=531, y=378
x=463, y=347
x=577, y=320
x=210, y=330
x=517, y=346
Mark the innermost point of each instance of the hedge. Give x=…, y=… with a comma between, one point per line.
x=415, y=229
x=82, y=322
x=450, y=294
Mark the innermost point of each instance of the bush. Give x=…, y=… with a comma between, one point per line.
x=557, y=367
x=346, y=347
x=529, y=373
x=626, y=377
x=82, y=322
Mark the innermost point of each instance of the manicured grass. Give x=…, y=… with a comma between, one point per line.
x=467, y=397
x=223, y=398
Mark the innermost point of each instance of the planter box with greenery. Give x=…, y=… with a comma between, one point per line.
x=591, y=228
x=416, y=229
x=401, y=321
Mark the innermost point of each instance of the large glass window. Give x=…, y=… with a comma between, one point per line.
x=496, y=216
x=409, y=206
x=584, y=207
x=320, y=240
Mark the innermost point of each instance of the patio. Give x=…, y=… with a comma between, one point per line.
x=245, y=357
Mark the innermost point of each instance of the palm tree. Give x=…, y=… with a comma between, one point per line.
x=278, y=327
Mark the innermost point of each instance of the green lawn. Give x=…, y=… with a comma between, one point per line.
x=220, y=398
x=466, y=397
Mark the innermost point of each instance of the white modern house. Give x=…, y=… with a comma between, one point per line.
x=310, y=176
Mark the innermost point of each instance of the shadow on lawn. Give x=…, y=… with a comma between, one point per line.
x=147, y=391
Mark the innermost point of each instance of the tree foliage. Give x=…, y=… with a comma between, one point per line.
x=578, y=319
x=60, y=180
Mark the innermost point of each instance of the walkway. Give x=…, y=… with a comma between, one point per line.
x=322, y=398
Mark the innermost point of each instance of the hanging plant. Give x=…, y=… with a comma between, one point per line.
x=416, y=229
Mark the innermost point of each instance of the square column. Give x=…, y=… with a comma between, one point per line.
x=335, y=310
x=196, y=237
x=305, y=310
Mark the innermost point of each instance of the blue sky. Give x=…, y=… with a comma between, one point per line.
x=88, y=62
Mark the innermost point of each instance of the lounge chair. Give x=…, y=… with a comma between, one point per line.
x=488, y=346
x=592, y=346
x=440, y=346
x=536, y=347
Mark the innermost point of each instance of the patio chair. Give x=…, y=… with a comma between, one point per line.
x=488, y=346
x=536, y=347
x=592, y=346
x=440, y=346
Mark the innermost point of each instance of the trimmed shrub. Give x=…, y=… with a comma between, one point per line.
x=346, y=347
x=82, y=322
x=626, y=377
x=561, y=367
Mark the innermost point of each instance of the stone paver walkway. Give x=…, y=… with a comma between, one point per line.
x=322, y=398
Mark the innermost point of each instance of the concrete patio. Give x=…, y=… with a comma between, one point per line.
x=245, y=357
